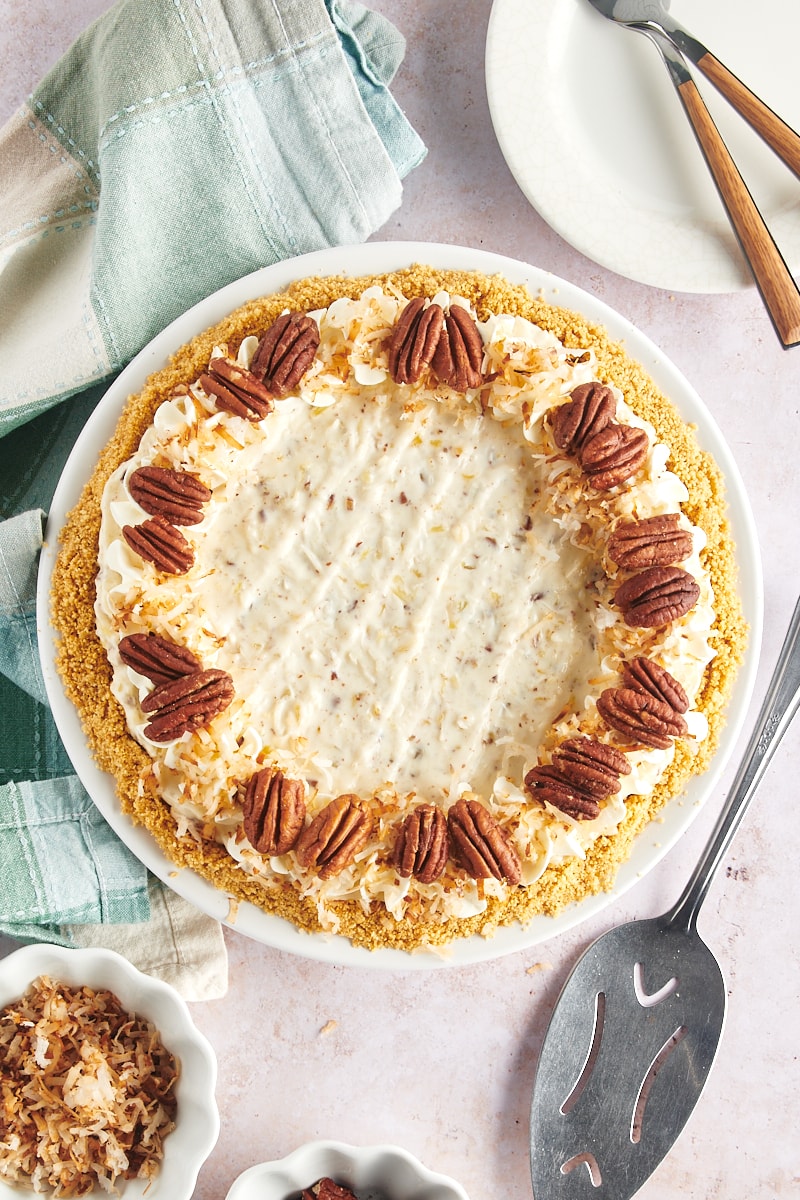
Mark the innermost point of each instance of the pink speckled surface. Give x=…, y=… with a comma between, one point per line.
x=443, y=1063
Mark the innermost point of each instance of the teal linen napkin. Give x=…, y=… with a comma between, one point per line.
x=104, y=880
x=179, y=145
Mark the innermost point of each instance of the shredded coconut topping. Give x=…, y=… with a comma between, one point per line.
x=87, y=1091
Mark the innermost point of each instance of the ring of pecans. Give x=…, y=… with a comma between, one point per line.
x=645, y=710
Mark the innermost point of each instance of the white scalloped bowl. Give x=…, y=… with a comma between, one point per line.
x=197, y=1122
x=371, y=1172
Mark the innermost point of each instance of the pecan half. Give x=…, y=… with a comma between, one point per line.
x=186, y=704
x=159, y=542
x=480, y=845
x=326, y=1189
x=285, y=352
x=656, y=596
x=583, y=772
x=458, y=357
x=273, y=810
x=613, y=455
x=644, y=675
x=335, y=836
x=546, y=784
x=236, y=390
x=591, y=766
x=422, y=844
x=652, y=542
x=155, y=657
x=175, y=495
x=582, y=756
x=329, y=1190
x=640, y=717
x=414, y=340
x=590, y=408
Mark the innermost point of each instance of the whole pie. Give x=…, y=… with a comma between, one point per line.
x=398, y=606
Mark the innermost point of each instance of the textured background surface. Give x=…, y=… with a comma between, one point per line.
x=443, y=1064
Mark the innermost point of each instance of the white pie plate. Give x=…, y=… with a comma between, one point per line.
x=359, y=260
x=591, y=129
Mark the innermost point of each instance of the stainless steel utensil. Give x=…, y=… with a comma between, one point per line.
x=653, y=15
x=773, y=278
x=635, y=1030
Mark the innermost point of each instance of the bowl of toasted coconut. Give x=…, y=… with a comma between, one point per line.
x=327, y=1170
x=107, y=1086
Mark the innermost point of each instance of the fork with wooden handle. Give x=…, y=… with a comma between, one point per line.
x=773, y=278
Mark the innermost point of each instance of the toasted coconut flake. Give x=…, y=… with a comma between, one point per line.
x=88, y=1091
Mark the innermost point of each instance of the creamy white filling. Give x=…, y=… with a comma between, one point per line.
x=385, y=598
x=405, y=605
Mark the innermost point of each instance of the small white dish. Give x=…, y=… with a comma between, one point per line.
x=372, y=1172
x=197, y=1122
x=590, y=126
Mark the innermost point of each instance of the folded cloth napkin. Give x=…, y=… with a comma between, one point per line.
x=66, y=877
x=179, y=145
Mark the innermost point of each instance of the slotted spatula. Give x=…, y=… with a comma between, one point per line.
x=635, y=1030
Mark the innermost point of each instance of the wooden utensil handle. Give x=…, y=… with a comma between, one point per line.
x=775, y=132
x=778, y=289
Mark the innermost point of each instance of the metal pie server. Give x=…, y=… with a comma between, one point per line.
x=634, y=1033
x=773, y=278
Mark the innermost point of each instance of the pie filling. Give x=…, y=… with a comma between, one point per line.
x=410, y=590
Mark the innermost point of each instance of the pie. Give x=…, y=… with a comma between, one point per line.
x=398, y=606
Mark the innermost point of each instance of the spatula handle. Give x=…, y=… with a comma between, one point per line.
x=779, y=707
x=774, y=279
